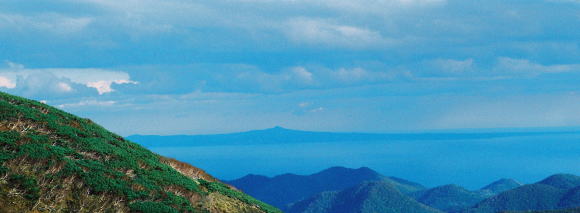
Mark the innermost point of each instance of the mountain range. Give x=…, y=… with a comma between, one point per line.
x=378, y=193
x=53, y=161
x=373, y=196
x=285, y=189
x=560, y=191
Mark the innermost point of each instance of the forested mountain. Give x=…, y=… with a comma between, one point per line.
x=560, y=191
x=285, y=189
x=368, y=197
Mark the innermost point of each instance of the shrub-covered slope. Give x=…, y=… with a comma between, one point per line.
x=52, y=161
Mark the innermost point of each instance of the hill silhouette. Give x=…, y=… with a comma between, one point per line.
x=450, y=198
x=367, y=197
x=558, y=191
x=285, y=189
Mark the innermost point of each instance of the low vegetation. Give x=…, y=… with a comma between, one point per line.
x=51, y=160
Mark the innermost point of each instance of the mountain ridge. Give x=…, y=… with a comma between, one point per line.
x=559, y=191
x=502, y=185
x=555, y=193
x=282, y=190
x=367, y=197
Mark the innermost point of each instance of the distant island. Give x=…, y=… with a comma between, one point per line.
x=280, y=135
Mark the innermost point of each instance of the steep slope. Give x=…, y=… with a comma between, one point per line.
x=451, y=198
x=555, y=192
x=501, y=185
x=368, y=197
x=289, y=188
x=52, y=161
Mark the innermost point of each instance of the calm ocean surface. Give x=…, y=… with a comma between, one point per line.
x=470, y=163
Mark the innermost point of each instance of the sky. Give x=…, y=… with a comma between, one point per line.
x=213, y=66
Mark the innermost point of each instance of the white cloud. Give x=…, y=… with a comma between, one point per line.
x=307, y=107
x=302, y=73
x=7, y=83
x=318, y=109
x=99, y=79
x=354, y=74
x=46, y=22
x=13, y=65
x=527, y=67
x=85, y=103
x=64, y=87
x=322, y=32
x=103, y=87
x=304, y=104
x=361, y=75
x=503, y=68
x=454, y=66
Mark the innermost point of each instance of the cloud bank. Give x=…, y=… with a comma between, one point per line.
x=227, y=65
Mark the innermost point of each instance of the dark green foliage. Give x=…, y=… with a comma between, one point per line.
x=105, y=162
x=151, y=207
x=27, y=184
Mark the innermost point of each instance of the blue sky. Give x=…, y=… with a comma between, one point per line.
x=187, y=67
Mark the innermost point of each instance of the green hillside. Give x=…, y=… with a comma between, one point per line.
x=368, y=197
x=451, y=198
x=52, y=161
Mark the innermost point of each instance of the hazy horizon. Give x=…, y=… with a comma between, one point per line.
x=423, y=131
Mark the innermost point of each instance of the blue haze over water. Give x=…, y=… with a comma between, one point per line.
x=471, y=161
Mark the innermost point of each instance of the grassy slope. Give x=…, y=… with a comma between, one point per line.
x=54, y=161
